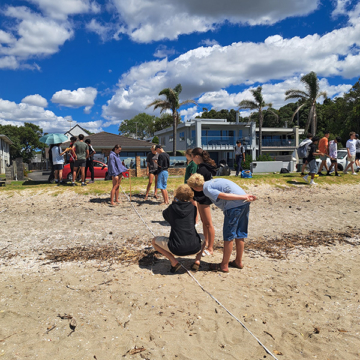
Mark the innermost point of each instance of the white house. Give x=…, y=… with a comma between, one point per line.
x=5, y=143
x=76, y=131
x=218, y=137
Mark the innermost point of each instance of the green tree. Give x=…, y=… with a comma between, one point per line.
x=164, y=121
x=25, y=140
x=171, y=102
x=229, y=115
x=257, y=104
x=309, y=97
x=142, y=125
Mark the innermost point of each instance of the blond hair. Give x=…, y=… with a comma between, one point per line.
x=196, y=180
x=153, y=147
x=184, y=193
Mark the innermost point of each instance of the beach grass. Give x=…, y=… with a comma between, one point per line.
x=138, y=185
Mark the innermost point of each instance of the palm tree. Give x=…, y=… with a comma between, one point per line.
x=257, y=104
x=309, y=97
x=171, y=102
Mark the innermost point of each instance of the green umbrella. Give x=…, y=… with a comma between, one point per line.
x=50, y=139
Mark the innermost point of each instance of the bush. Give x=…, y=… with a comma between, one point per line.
x=246, y=164
x=264, y=157
x=155, y=140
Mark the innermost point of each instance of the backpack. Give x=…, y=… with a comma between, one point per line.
x=246, y=174
x=304, y=150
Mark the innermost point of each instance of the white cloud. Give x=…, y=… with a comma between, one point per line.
x=340, y=8
x=104, y=31
x=208, y=69
x=36, y=100
x=208, y=42
x=76, y=98
x=162, y=51
x=16, y=114
x=31, y=36
x=146, y=21
x=272, y=93
x=60, y=10
x=189, y=113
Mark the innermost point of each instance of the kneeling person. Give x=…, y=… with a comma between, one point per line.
x=234, y=202
x=184, y=239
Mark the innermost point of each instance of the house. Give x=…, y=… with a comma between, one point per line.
x=5, y=143
x=103, y=142
x=76, y=131
x=218, y=137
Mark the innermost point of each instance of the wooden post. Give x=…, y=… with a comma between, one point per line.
x=130, y=182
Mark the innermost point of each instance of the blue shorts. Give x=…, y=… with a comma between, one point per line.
x=236, y=223
x=162, y=180
x=313, y=168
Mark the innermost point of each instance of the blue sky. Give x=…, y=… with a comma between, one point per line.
x=97, y=63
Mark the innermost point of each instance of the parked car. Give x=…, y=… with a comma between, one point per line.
x=100, y=171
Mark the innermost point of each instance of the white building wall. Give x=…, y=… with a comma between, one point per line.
x=4, y=155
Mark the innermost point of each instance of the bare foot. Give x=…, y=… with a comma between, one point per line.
x=163, y=203
x=146, y=197
x=234, y=264
x=118, y=202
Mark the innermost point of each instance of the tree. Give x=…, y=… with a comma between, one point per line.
x=164, y=121
x=257, y=104
x=308, y=97
x=171, y=102
x=25, y=140
x=142, y=125
x=222, y=114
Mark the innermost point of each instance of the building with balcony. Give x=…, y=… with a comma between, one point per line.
x=218, y=137
x=5, y=143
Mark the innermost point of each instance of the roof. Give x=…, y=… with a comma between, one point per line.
x=105, y=140
x=6, y=139
x=77, y=125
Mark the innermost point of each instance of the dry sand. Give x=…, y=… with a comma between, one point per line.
x=304, y=307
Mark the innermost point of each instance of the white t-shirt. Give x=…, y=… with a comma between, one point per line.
x=57, y=158
x=333, y=149
x=351, y=145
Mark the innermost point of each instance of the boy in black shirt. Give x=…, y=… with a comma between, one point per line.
x=163, y=162
x=184, y=239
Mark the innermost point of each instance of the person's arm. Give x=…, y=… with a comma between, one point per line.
x=348, y=151
x=246, y=197
x=243, y=155
x=87, y=153
x=147, y=169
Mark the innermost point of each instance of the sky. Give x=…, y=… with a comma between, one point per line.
x=98, y=62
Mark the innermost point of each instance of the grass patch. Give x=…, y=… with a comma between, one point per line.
x=138, y=185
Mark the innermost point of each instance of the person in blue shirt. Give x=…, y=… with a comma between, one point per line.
x=115, y=170
x=235, y=204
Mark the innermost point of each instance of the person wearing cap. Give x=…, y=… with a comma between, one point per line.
x=239, y=156
x=351, y=150
x=312, y=161
x=163, y=163
x=333, y=154
x=324, y=148
x=357, y=155
x=89, y=160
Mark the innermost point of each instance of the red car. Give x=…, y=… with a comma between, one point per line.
x=100, y=171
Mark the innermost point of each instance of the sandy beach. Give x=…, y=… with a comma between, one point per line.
x=298, y=293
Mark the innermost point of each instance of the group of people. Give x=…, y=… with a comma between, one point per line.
x=81, y=156
x=194, y=197
x=313, y=146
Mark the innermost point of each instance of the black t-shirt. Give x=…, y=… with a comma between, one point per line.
x=163, y=161
x=312, y=150
x=153, y=166
x=207, y=171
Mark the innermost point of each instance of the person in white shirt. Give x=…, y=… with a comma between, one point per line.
x=351, y=149
x=333, y=154
x=58, y=162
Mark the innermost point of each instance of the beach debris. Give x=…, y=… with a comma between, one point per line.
x=316, y=330
x=50, y=328
x=65, y=316
x=278, y=352
x=135, y=350
x=269, y=334
x=72, y=324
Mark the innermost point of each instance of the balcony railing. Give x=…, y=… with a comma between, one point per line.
x=277, y=142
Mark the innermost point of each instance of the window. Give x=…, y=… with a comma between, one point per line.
x=171, y=139
x=182, y=136
x=192, y=133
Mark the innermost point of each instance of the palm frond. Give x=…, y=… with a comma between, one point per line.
x=248, y=104
x=185, y=102
x=322, y=93
x=292, y=119
x=157, y=103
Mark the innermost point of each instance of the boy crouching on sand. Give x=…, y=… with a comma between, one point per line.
x=184, y=239
x=234, y=202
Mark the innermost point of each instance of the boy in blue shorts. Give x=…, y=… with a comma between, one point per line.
x=234, y=202
x=163, y=163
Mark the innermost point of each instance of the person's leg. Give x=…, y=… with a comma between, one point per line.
x=86, y=168
x=198, y=255
x=321, y=166
x=155, y=190
x=209, y=230
x=151, y=178
x=197, y=210
x=56, y=175
x=164, y=195
x=74, y=174
x=118, y=189
x=352, y=167
x=240, y=245
x=228, y=247
x=238, y=164
x=83, y=174
x=91, y=167
x=60, y=175
x=164, y=252
x=115, y=180
x=303, y=167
